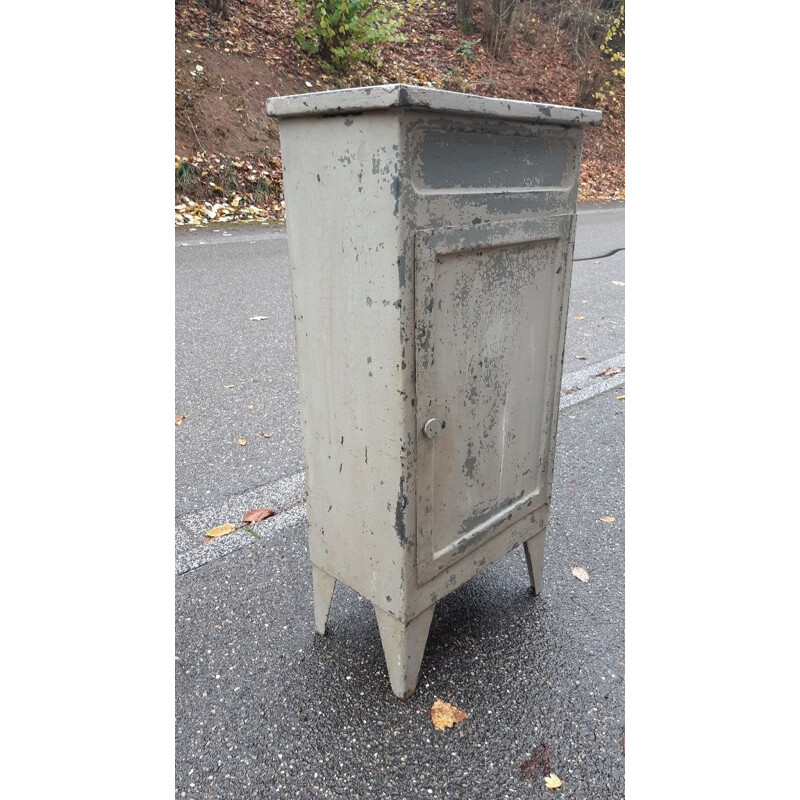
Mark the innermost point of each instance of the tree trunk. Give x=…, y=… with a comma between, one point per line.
x=499, y=26
x=219, y=7
x=464, y=14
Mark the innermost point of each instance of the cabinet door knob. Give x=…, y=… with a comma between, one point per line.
x=432, y=427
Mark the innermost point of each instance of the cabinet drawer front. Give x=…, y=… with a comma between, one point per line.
x=488, y=348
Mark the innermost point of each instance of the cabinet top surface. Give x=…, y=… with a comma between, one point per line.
x=399, y=95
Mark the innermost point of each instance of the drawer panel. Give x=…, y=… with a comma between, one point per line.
x=448, y=161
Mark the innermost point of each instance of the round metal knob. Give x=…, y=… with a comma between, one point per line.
x=432, y=427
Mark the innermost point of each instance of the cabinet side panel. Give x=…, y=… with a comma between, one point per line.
x=351, y=307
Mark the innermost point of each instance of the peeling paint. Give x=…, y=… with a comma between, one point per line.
x=459, y=223
x=399, y=514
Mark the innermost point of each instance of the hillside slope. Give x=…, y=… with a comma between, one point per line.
x=227, y=150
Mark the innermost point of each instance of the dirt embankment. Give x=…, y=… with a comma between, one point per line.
x=227, y=150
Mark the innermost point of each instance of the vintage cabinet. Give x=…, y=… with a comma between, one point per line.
x=430, y=243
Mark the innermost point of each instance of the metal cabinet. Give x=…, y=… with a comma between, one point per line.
x=430, y=245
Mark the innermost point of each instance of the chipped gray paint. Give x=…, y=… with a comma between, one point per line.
x=430, y=243
x=376, y=98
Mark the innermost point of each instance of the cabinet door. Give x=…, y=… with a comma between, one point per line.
x=490, y=317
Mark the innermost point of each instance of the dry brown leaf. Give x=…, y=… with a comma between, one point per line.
x=180, y=418
x=241, y=442
x=608, y=372
x=538, y=765
x=621, y=397
x=607, y=519
x=257, y=514
x=552, y=781
x=443, y=715
x=265, y=435
x=579, y=318
x=581, y=573
x=221, y=530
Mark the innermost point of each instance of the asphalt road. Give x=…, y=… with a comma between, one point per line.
x=226, y=363
x=264, y=708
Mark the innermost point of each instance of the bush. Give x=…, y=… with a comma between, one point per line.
x=186, y=176
x=346, y=31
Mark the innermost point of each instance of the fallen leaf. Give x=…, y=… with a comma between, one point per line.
x=552, y=781
x=621, y=397
x=608, y=372
x=580, y=317
x=265, y=435
x=180, y=418
x=257, y=319
x=538, y=765
x=251, y=531
x=309, y=84
x=606, y=519
x=581, y=358
x=257, y=514
x=229, y=386
x=221, y=530
x=444, y=715
x=251, y=406
x=581, y=574
x=241, y=441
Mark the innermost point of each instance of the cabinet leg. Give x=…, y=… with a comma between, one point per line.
x=534, y=555
x=403, y=647
x=324, y=585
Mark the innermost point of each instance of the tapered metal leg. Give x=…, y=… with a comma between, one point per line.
x=403, y=647
x=324, y=585
x=534, y=555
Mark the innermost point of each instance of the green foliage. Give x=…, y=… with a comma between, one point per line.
x=344, y=32
x=612, y=46
x=615, y=37
x=264, y=191
x=227, y=178
x=467, y=49
x=186, y=176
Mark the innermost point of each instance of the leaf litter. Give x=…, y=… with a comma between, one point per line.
x=258, y=514
x=221, y=530
x=552, y=781
x=581, y=573
x=607, y=373
x=252, y=517
x=538, y=765
x=444, y=715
